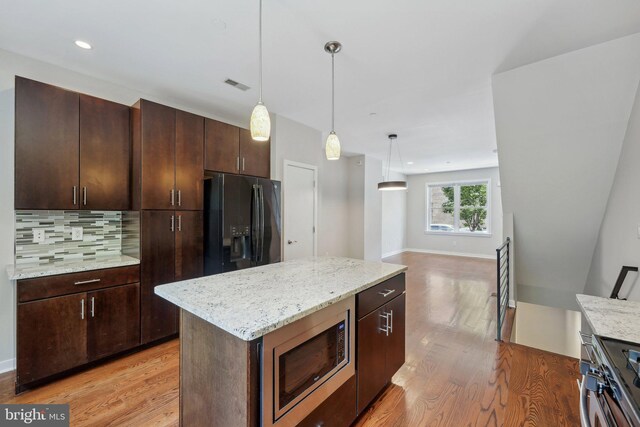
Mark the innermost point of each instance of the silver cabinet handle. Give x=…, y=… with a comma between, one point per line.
x=385, y=316
x=179, y=222
x=84, y=196
x=173, y=223
x=93, y=306
x=238, y=163
x=386, y=292
x=82, y=309
x=84, y=282
x=179, y=198
x=75, y=195
x=390, y=321
x=173, y=197
x=243, y=163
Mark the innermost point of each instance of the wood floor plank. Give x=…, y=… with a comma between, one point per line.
x=455, y=374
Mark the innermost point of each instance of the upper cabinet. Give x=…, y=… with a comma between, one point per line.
x=255, y=156
x=47, y=146
x=230, y=149
x=168, y=157
x=104, y=155
x=71, y=150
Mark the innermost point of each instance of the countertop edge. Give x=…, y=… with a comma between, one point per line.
x=249, y=336
x=59, y=270
x=613, y=325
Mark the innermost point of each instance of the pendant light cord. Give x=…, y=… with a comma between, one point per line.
x=333, y=92
x=260, y=49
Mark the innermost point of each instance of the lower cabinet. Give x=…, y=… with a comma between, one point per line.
x=60, y=333
x=114, y=320
x=171, y=244
x=380, y=348
x=339, y=410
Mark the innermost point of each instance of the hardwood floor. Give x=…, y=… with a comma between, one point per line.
x=455, y=373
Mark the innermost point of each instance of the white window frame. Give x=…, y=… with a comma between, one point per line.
x=456, y=209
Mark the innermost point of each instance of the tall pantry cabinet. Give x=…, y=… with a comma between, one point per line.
x=168, y=174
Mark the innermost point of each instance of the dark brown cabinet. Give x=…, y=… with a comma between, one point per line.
x=72, y=150
x=380, y=338
x=255, y=157
x=46, y=146
x=231, y=149
x=222, y=147
x=57, y=331
x=168, y=156
x=51, y=337
x=171, y=249
x=189, y=160
x=104, y=155
x=114, y=320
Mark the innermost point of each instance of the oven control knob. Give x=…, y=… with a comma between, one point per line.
x=595, y=382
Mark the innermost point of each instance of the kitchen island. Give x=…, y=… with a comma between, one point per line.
x=234, y=327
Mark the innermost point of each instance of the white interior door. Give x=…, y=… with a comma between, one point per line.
x=300, y=199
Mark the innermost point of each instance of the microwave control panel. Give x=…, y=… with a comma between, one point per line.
x=341, y=344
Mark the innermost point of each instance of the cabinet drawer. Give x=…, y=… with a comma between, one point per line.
x=64, y=284
x=380, y=294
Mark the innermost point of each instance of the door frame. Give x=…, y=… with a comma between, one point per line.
x=286, y=164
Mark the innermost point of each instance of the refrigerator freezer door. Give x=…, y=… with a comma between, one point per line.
x=270, y=224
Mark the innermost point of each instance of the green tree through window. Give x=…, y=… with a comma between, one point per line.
x=473, y=205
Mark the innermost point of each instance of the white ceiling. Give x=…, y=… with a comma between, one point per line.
x=423, y=66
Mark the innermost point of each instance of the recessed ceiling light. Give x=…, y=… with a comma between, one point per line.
x=83, y=45
x=409, y=163
x=495, y=150
x=372, y=114
x=448, y=163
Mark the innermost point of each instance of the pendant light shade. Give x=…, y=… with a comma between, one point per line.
x=260, y=123
x=332, y=146
x=388, y=185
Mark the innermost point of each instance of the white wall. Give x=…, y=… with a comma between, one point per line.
x=417, y=239
x=364, y=212
x=560, y=124
x=394, y=218
x=297, y=142
x=618, y=240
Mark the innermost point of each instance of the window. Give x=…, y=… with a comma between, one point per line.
x=458, y=208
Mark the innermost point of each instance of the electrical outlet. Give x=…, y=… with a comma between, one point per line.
x=76, y=233
x=38, y=235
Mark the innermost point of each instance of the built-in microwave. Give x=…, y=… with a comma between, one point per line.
x=305, y=362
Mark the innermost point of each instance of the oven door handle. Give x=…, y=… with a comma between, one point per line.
x=584, y=414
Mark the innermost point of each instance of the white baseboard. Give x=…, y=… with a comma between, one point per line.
x=512, y=303
x=463, y=254
x=388, y=254
x=7, y=365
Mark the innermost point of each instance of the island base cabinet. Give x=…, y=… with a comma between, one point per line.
x=380, y=349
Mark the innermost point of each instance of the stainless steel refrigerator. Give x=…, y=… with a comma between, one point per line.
x=242, y=224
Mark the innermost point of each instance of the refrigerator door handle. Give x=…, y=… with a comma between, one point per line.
x=254, y=222
x=261, y=252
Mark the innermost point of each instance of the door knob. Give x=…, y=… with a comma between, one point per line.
x=292, y=241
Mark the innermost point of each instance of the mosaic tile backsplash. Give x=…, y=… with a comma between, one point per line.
x=102, y=235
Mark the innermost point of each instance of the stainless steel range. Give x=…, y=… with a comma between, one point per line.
x=610, y=388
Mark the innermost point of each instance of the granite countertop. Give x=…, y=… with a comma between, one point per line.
x=29, y=271
x=612, y=318
x=252, y=302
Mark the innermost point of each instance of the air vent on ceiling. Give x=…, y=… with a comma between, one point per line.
x=237, y=85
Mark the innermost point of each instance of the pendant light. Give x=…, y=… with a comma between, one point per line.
x=332, y=146
x=388, y=185
x=260, y=123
